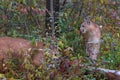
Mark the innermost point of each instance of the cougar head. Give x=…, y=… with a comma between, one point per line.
x=85, y=26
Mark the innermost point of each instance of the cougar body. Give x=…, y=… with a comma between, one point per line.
x=91, y=35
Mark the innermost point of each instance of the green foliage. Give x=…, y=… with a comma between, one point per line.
x=22, y=18
x=69, y=29
x=25, y=18
x=101, y=13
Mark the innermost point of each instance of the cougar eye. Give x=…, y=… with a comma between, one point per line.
x=88, y=22
x=82, y=26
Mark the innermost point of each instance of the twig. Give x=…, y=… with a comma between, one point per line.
x=116, y=73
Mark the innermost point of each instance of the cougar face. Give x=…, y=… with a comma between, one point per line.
x=85, y=26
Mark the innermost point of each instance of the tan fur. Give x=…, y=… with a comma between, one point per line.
x=20, y=48
x=91, y=34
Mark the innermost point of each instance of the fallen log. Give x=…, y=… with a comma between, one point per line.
x=110, y=74
x=116, y=72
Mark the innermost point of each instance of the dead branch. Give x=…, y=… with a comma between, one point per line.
x=111, y=74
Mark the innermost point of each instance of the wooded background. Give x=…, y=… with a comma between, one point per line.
x=57, y=22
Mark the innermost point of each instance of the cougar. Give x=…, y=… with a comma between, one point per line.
x=91, y=35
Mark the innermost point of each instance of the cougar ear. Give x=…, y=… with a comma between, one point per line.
x=88, y=22
x=86, y=19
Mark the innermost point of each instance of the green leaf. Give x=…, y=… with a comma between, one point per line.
x=101, y=1
x=2, y=76
x=24, y=2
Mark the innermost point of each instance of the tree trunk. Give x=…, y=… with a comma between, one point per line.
x=51, y=17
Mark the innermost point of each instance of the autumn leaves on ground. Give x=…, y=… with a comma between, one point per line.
x=28, y=52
